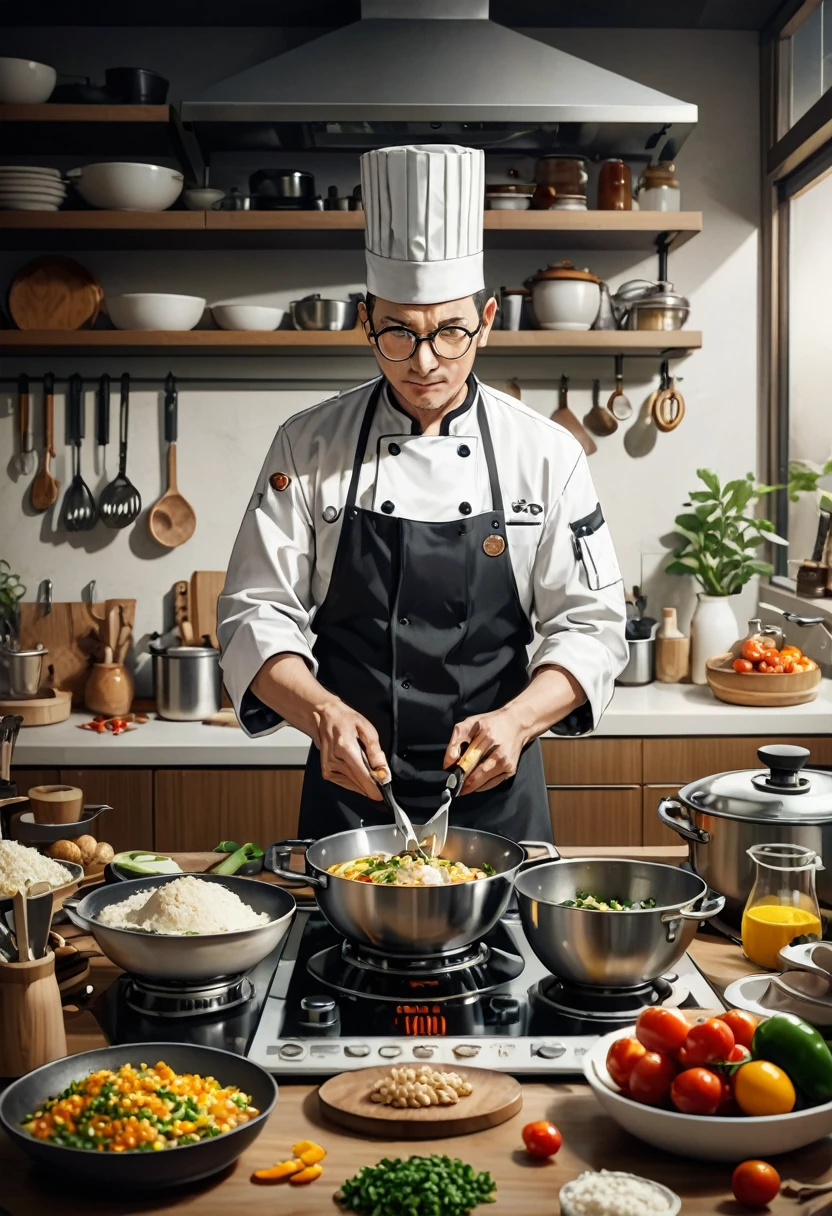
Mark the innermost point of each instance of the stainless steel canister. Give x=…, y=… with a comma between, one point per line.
x=641, y=665
x=187, y=682
x=21, y=672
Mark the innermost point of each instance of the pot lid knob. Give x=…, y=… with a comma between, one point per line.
x=784, y=761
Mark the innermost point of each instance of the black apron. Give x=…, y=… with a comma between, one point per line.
x=421, y=627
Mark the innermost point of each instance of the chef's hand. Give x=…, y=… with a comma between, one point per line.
x=341, y=732
x=499, y=736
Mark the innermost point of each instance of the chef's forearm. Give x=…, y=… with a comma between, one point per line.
x=551, y=695
x=287, y=686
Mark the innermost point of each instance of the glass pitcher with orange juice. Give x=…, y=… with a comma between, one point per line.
x=783, y=904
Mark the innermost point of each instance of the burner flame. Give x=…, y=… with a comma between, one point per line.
x=420, y=1020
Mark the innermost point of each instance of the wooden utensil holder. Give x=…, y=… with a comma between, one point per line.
x=31, y=1017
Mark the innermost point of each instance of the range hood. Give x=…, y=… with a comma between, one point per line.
x=443, y=74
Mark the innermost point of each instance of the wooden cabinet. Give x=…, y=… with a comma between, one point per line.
x=592, y=761
x=25, y=778
x=653, y=830
x=129, y=791
x=597, y=815
x=196, y=808
x=669, y=761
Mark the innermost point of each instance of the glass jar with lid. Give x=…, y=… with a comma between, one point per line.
x=658, y=189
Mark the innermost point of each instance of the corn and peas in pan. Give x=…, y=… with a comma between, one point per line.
x=139, y=1109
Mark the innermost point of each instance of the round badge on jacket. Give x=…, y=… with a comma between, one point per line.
x=494, y=545
x=280, y=481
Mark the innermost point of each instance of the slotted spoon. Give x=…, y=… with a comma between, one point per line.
x=79, y=504
x=121, y=502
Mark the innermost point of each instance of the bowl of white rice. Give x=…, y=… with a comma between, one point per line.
x=187, y=927
x=614, y=1193
x=22, y=867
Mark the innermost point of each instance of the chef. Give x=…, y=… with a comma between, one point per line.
x=410, y=539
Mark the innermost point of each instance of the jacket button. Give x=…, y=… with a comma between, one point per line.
x=463, y=450
x=393, y=449
x=403, y=620
x=388, y=507
x=495, y=523
x=405, y=683
x=465, y=508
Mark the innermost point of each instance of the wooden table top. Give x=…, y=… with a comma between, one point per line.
x=591, y=1140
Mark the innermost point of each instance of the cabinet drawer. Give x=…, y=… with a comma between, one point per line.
x=669, y=761
x=601, y=815
x=129, y=791
x=592, y=761
x=655, y=833
x=196, y=808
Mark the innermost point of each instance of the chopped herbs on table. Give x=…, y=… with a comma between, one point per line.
x=420, y=1186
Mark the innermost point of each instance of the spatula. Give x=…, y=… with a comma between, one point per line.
x=21, y=926
x=435, y=832
x=384, y=780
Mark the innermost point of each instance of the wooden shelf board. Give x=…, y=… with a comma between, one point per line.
x=221, y=342
x=87, y=114
x=102, y=221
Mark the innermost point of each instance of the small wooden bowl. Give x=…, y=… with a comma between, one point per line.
x=56, y=803
x=755, y=688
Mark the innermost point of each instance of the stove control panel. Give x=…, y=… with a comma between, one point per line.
x=311, y=1056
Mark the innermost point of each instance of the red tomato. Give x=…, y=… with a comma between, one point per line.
x=743, y=665
x=651, y=1078
x=662, y=1029
x=727, y=1104
x=542, y=1139
x=755, y=1183
x=697, y=1091
x=707, y=1042
x=739, y=1054
x=752, y=650
x=787, y=664
x=742, y=1025
x=622, y=1058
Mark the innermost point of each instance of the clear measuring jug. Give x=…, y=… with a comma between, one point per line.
x=783, y=904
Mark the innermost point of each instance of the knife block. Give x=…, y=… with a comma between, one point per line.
x=31, y=1018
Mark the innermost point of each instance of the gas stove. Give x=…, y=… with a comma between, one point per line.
x=318, y=1005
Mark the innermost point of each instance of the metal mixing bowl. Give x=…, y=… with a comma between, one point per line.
x=313, y=312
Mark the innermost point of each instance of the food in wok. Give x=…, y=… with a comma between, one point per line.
x=409, y=871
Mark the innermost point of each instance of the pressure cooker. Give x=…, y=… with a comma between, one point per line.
x=722, y=816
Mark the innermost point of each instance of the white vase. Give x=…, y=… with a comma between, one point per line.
x=713, y=630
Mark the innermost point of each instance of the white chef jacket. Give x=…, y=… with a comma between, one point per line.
x=281, y=565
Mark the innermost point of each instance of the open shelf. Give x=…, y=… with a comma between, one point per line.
x=283, y=341
x=552, y=230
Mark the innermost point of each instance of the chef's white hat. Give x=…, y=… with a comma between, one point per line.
x=423, y=212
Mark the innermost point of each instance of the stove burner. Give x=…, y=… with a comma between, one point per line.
x=611, y=1006
x=176, y=1000
x=458, y=975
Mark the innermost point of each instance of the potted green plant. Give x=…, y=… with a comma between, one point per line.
x=11, y=592
x=720, y=538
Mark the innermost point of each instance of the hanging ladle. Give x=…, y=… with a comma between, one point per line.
x=120, y=501
x=619, y=403
x=172, y=519
x=79, y=504
x=599, y=420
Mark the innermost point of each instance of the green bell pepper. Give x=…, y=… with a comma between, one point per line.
x=797, y=1048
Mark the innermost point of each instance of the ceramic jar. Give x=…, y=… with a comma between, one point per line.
x=109, y=690
x=713, y=630
x=658, y=189
x=565, y=298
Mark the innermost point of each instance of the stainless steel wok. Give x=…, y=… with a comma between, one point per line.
x=408, y=920
x=192, y=958
x=612, y=949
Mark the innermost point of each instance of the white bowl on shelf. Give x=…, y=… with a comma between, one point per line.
x=509, y=202
x=154, y=310
x=127, y=186
x=566, y=304
x=706, y=1137
x=242, y=316
x=202, y=198
x=25, y=82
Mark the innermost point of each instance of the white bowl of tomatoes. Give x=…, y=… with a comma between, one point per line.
x=695, y=1089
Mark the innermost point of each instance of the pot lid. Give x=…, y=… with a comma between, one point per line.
x=662, y=296
x=564, y=270
x=40, y=651
x=189, y=652
x=779, y=793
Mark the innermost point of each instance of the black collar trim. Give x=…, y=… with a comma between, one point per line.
x=445, y=424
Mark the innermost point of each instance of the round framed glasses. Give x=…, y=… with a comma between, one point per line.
x=397, y=343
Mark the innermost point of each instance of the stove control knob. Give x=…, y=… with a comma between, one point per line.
x=506, y=1009
x=290, y=1051
x=319, y=1010
x=549, y=1051
x=390, y=1052
x=356, y=1050
x=423, y=1052
x=466, y=1051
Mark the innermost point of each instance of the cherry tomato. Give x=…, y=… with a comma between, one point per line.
x=787, y=664
x=696, y=1091
x=662, y=1029
x=766, y=668
x=727, y=1108
x=752, y=650
x=742, y=1025
x=771, y=654
x=542, y=1139
x=743, y=665
x=739, y=1054
x=622, y=1058
x=761, y=1088
x=651, y=1078
x=755, y=1183
x=707, y=1042
x=767, y=642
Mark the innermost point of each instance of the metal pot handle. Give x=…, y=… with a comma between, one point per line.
x=69, y=905
x=712, y=904
x=674, y=816
x=276, y=862
x=551, y=853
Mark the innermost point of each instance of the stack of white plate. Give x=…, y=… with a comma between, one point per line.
x=28, y=188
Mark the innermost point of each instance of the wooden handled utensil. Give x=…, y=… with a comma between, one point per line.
x=172, y=519
x=45, y=487
x=599, y=420
x=619, y=404
x=25, y=459
x=564, y=416
x=668, y=404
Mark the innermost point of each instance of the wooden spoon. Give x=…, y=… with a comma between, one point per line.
x=599, y=420
x=45, y=487
x=172, y=519
x=565, y=418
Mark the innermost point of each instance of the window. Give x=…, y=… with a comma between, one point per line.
x=805, y=64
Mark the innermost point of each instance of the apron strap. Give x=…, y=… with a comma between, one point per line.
x=361, y=446
x=490, y=460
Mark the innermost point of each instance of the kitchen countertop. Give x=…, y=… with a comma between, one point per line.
x=656, y=709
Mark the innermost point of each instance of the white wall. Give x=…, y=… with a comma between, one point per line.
x=224, y=432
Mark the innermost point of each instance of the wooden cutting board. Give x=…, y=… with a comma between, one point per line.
x=206, y=586
x=66, y=632
x=54, y=293
x=344, y=1100
x=41, y=711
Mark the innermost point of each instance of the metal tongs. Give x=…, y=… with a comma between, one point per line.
x=384, y=780
x=435, y=831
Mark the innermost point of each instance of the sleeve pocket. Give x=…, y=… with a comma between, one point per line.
x=594, y=548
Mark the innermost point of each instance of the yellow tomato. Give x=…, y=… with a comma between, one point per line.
x=761, y=1088
x=794, y=651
